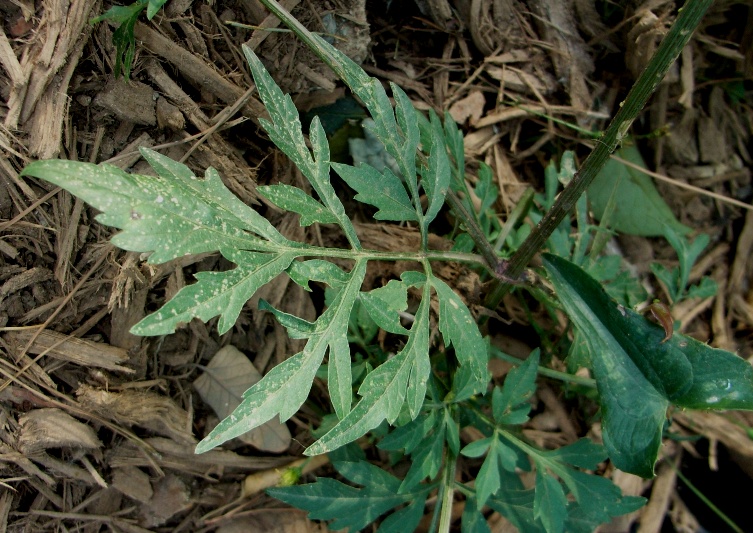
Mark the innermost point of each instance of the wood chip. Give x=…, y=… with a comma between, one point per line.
x=53, y=428
x=128, y=101
x=80, y=351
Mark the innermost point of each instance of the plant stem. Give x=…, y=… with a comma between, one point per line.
x=448, y=492
x=688, y=18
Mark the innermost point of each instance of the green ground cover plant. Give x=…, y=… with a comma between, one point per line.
x=413, y=403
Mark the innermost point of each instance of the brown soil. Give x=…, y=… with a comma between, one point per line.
x=97, y=426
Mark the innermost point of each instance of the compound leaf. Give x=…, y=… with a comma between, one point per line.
x=286, y=132
x=351, y=507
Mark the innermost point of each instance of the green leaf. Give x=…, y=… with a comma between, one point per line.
x=583, y=453
x=294, y=199
x=517, y=507
x=519, y=386
x=549, y=503
x=154, y=6
x=286, y=132
x=171, y=215
x=460, y=331
x=383, y=190
x=409, y=436
x=350, y=507
x=488, y=480
x=641, y=210
x=284, y=389
x=123, y=37
x=436, y=177
x=385, y=304
x=402, y=378
x=220, y=294
x=477, y=448
x=473, y=521
x=630, y=361
x=425, y=462
x=302, y=272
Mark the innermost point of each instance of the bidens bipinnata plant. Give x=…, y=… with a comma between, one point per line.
x=428, y=399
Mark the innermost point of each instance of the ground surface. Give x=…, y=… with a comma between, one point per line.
x=97, y=426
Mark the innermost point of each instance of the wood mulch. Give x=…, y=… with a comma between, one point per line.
x=98, y=427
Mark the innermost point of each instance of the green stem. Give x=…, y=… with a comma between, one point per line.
x=688, y=18
x=448, y=493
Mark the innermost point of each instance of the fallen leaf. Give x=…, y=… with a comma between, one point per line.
x=470, y=107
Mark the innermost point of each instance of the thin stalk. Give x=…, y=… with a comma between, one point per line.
x=688, y=18
x=448, y=494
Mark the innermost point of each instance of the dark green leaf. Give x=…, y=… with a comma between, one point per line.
x=583, y=453
x=630, y=361
x=425, y=462
x=518, y=387
x=409, y=436
x=549, y=503
x=517, y=507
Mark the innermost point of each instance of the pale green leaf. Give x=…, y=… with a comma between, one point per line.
x=640, y=210
x=171, y=215
x=284, y=389
x=383, y=190
x=294, y=199
x=460, y=331
x=436, y=177
x=386, y=388
x=302, y=272
x=285, y=131
x=220, y=294
x=384, y=305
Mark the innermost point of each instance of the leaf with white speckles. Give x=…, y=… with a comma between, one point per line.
x=284, y=389
x=220, y=294
x=285, y=131
x=171, y=215
x=294, y=199
x=402, y=378
x=459, y=330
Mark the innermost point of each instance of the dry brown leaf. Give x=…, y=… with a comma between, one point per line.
x=171, y=496
x=227, y=377
x=53, y=428
x=471, y=107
